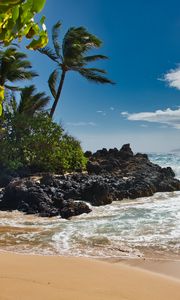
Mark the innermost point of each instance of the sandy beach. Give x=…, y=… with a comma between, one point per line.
x=49, y=278
x=164, y=266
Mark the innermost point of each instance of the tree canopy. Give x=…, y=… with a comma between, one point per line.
x=37, y=144
x=72, y=55
x=14, y=67
x=17, y=21
x=30, y=102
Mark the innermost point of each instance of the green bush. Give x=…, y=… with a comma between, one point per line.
x=39, y=144
x=71, y=155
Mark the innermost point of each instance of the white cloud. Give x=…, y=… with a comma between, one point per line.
x=81, y=124
x=103, y=113
x=173, y=78
x=111, y=108
x=167, y=116
x=144, y=125
x=124, y=113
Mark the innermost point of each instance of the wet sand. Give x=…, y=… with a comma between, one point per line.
x=162, y=266
x=61, y=278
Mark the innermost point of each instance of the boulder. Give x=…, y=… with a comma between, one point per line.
x=125, y=152
x=74, y=208
x=93, y=167
x=96, y=193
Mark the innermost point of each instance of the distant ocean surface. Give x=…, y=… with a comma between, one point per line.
x=129, y=228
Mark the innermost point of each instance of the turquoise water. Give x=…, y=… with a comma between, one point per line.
x=128, y=228
x=167, y=160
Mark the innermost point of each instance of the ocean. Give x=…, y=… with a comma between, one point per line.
x=144, y=227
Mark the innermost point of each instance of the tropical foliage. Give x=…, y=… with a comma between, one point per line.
x=71, y=55
x=38, y=144
x=14, y=67
x=29, y=139
x=17, y=21
x=30, y=102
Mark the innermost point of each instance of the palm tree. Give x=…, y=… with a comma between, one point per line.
x=30, y=101
x=72, y=56
x=14, y=67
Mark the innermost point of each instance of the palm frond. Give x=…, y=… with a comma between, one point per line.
x=94, y=58
x=97, y=70
x=29, y=74
x=20, y=74
x=19, y=55
x=50, y=53
x=93, y=76
x=7, y=52
x=40, y=102
x=55, y=36
x=14, y=66
x=12, y=53
x=12, y=88
x=52, y=81
x=23, y=64
x=25, y=98
x=77, y=41
x=32, y=102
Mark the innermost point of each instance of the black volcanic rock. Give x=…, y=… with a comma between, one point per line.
x=112, y=175
x=29, y=197
x=126, y=152
x=97, y=193
x=143, y=178
x=74, y=208
x=93, y=167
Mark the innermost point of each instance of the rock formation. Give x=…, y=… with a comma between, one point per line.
x=111, y=175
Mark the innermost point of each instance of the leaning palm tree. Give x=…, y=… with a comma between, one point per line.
x=72, y=56
x=31, y=102
x=14, y=67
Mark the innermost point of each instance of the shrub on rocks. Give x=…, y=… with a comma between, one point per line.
x=38, y=144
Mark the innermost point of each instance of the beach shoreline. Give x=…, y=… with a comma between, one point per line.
x=56, y=277
x=168, y=267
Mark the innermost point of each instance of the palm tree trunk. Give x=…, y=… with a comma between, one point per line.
x=58, y=94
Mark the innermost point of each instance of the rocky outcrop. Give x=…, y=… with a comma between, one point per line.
x=112, y=175
x=135, y=175
x=33, y=198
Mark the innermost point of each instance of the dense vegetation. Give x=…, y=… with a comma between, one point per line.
x=30, y=141
x=36, y=144
x=17, y=21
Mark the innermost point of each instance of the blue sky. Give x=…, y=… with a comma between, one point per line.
x=142, y=40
